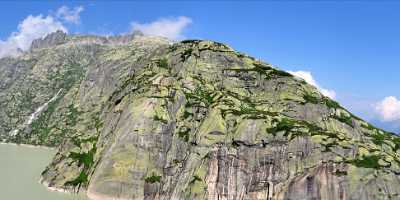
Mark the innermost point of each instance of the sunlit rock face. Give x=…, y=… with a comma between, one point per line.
x=140, y=117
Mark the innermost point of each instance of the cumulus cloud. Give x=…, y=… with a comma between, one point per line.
x=34, y=27
x=30, y=28
x=70, y=15
x=307, y=76
x=171, y=28
x=389, y=109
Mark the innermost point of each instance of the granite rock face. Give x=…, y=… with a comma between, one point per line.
x=144, y=118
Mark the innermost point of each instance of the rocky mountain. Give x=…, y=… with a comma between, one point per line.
x=137, y=117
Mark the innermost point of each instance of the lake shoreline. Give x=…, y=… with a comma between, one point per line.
x=29, y=145
x=61, y=190
x=23, y=164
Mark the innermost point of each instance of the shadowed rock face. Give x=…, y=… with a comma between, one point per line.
x=147, y=119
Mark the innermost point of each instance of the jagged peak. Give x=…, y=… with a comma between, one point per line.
x=50, y=40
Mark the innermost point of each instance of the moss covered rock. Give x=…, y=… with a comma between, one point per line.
x=150, y=119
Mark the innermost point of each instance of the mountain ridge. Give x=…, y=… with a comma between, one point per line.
x=151, y=119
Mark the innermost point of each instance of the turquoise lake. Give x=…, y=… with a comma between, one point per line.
x=20, y=169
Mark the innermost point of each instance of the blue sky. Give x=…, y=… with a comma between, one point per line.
x=350, y=48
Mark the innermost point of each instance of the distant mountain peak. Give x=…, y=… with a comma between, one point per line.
x=50, y=40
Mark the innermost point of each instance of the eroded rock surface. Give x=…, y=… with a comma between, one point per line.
x=143, y=118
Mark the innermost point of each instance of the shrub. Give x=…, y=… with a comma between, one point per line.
x=367, y=162
x=345, y=119
x=163, y=63
x=309, y=98
x=330, y=103
x=153, y=179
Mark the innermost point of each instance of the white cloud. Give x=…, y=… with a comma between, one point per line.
x=70, y=15
x=307, y=76
x=30, y=28
x=34, y=27
x=171, y=28
x=389, y=109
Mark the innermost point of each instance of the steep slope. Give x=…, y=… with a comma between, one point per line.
x=147, y=119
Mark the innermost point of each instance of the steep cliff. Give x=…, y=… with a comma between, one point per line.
x=143, y=118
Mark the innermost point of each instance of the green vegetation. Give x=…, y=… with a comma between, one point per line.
x=153, y=179
x=368, y=126
x=378, y=138
x=283, y=125
x=329, y=145
x=280, y=73
x=295, y=128
x=203, y=95
x=195, y=178
x=261, y=68
x=187, y=114
x=248, y=110
x=163, y=63
x=157, y=118
x=309, y=98
x=85, y=159
x=186, y=54
x=81, y=180
x=139, y=82
x=72, y=116
x=345, y=119
x=184, y=133
x=98, y=124
x=190, y=41
x=66, y=78
x=41, y=127
x=370, y=161
x=340, y=173
x=330, y=103
x=396, y=141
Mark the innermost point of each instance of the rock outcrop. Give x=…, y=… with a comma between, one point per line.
x=142, y=118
